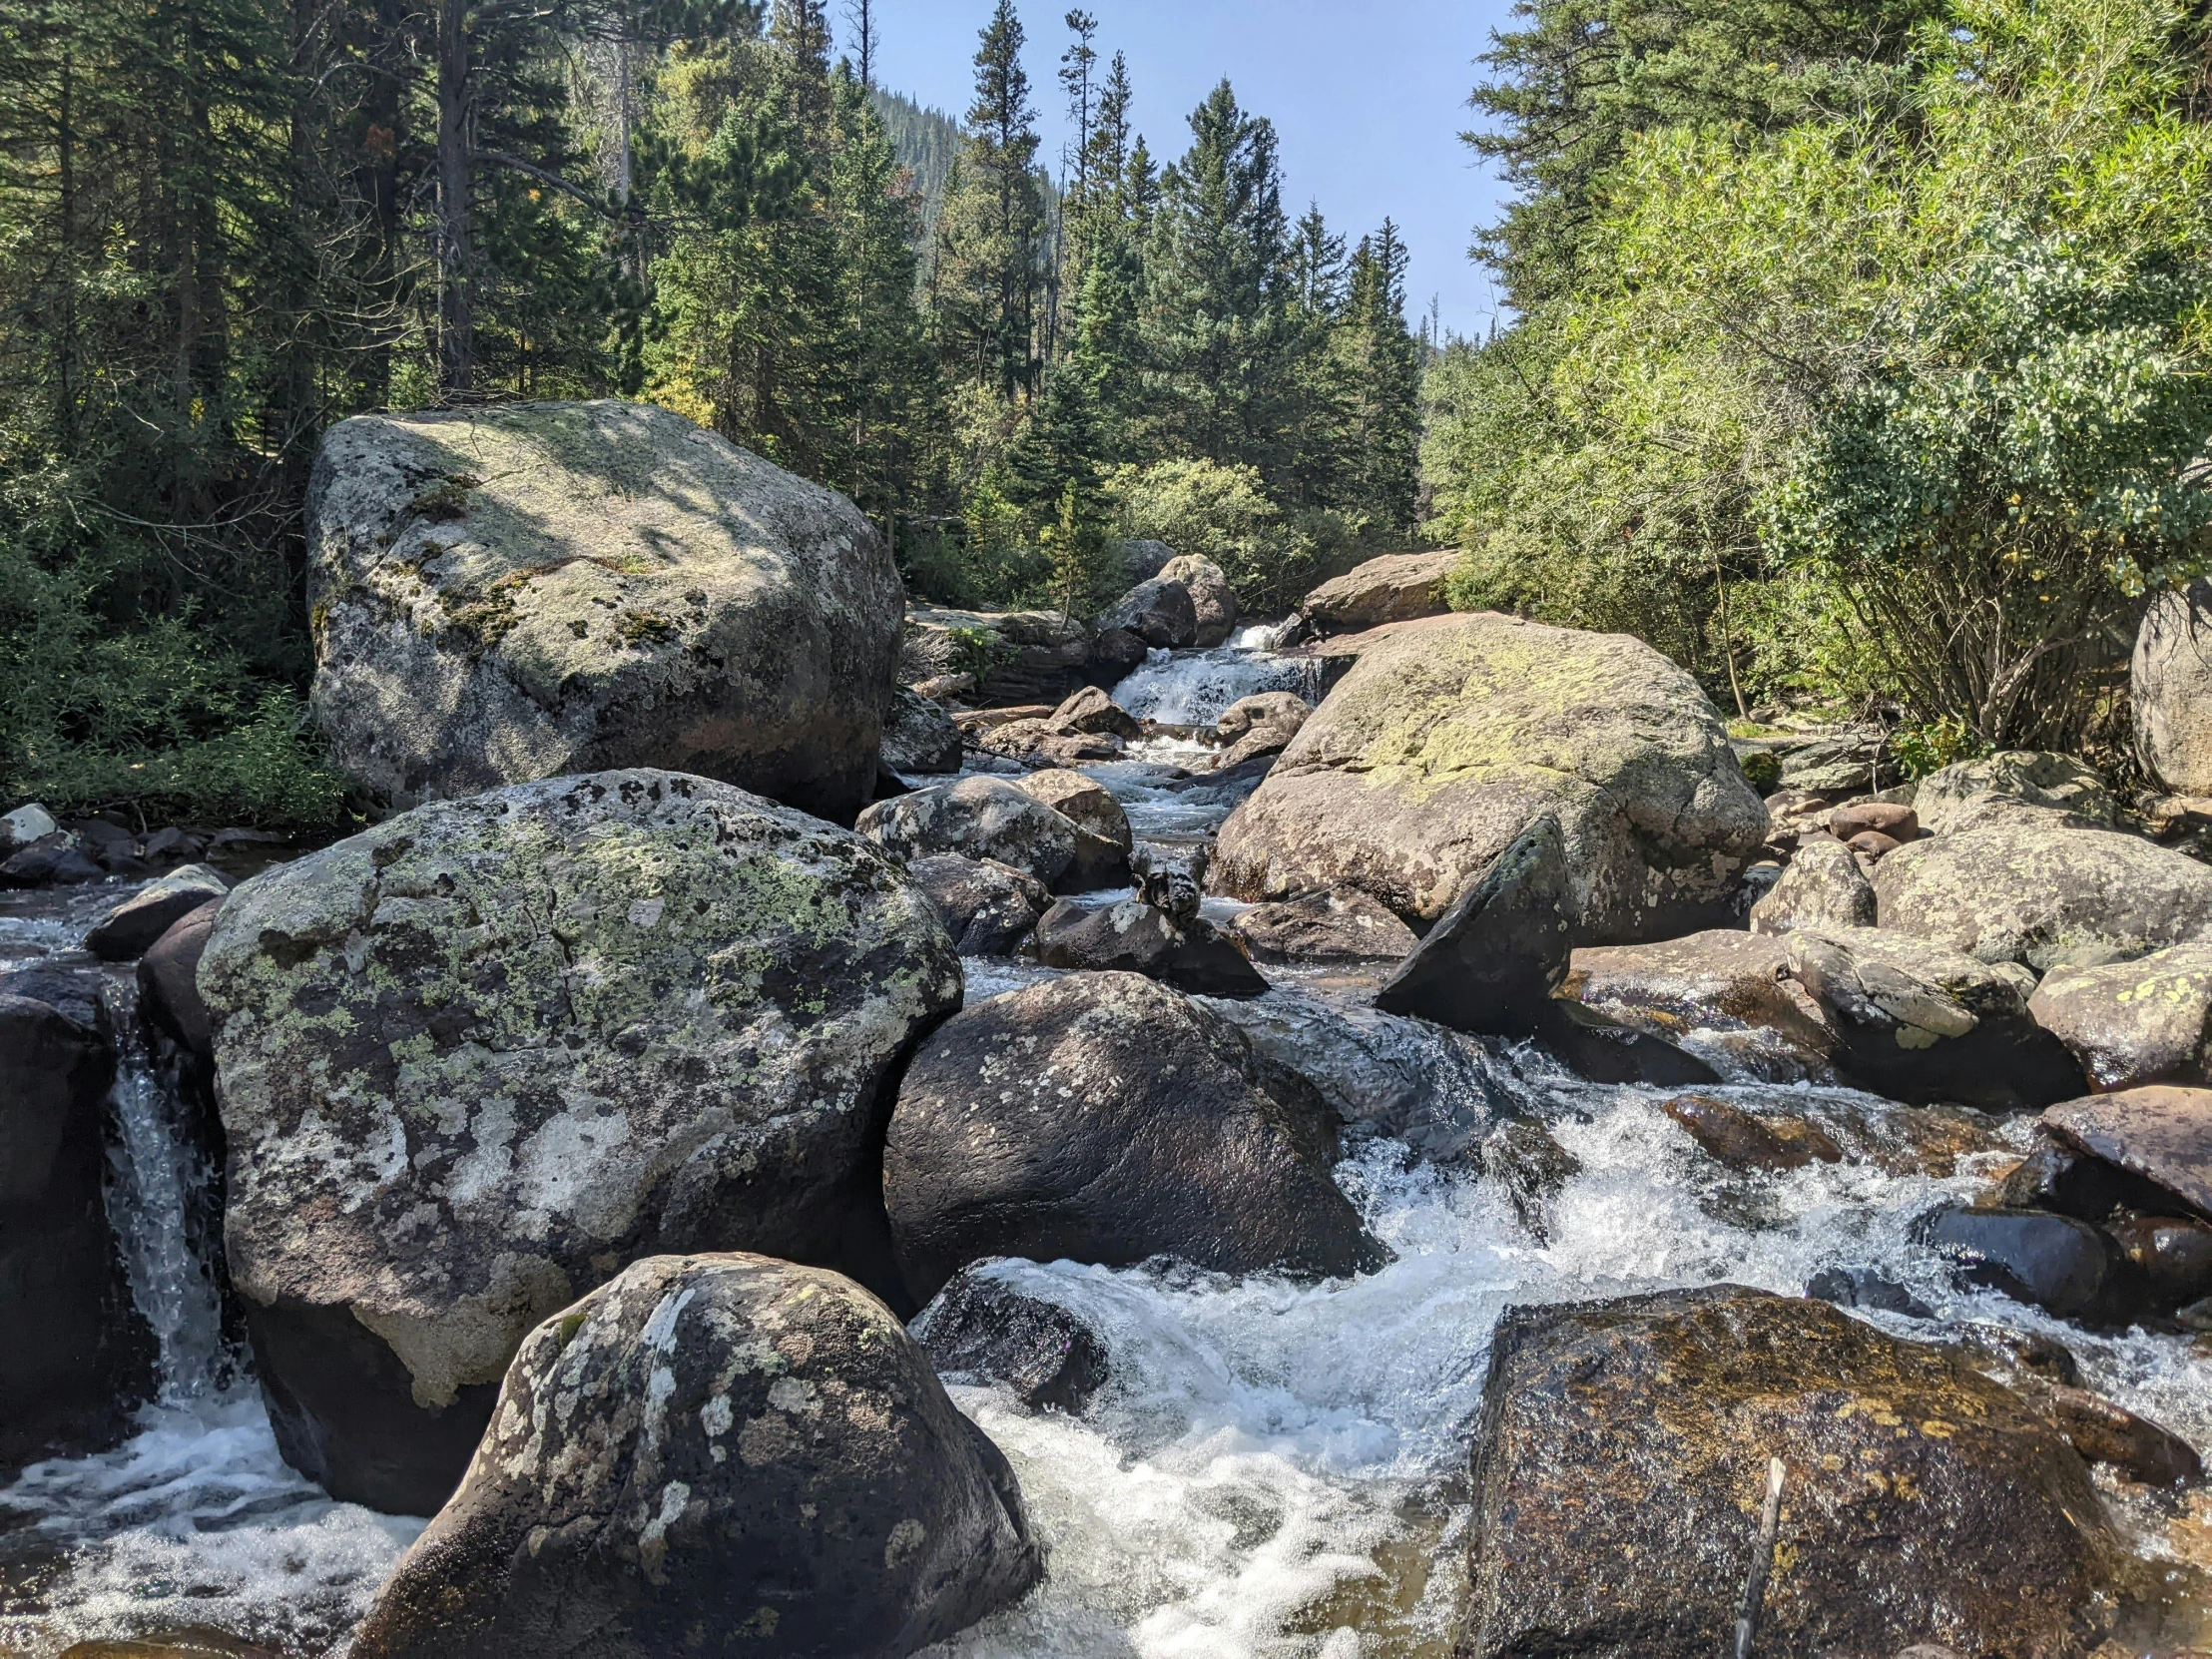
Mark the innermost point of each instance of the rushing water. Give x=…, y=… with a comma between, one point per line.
x=1272, y=1469
x=1195, y=688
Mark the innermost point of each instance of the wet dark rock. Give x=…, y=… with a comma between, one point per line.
x=75, y=1357
x=1622, y=1454
x=2173, y=1256
x=1495, y=957
x=988, y=907
x=1865, y=1287
x=981, y=1327
x=1136, y=937
x=919, y=737
x=129, y=930
x=723, y=1444
x=1533, y=1168
x=2064, y=1266
x=1326, y=926
x=1159, y=612
x=2162, y=1135
x=1744, y=1140
x=2104, y=1432
x=52, y=861
x=173, y=845
x=1105, y=1118
x=2017, y=1354
x=1117, y=653
x=1604, y=1050
x=169, y=983
x=1172, y=885
x=2059, y=1177
x=1733, y=990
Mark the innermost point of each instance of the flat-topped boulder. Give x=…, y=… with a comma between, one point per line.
x=531, y=590
x=1398, y=587
x=1448, y=738
x=2161, y=1135
x=2137, y=1022
x=476, y=1059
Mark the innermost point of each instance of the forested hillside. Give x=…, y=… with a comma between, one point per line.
x=1861, y=359
x=225, y=224
x=926, y=143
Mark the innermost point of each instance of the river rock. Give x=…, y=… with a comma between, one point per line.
x=1092, y=710
x=169, y=984
x=1040, y=743
x=1960, y=796
x=129, y=930
x=2064, y=1266
x=26, y=823
x=57, y=861
x=1083, y=801
x=2104, y=1432
x=530, y=590
x=722, y=1444
x=1011, y=656
x=2046, y=898
x=1623, y=1454
x=2134, y=1023
x=2170, y=690
x=1262, y=710
x=1116, y=654
x=919, y=738
x=1325, y=927
x=979, y=1327
x=1212, y=598
x=990, y=818
x=1883, y=817
x=2161, y=1135
x=2173, y=1256
x=1865, y=1287
x=75, y=1357
x=1731, y=994
x=482, y=1056
x=987, y=907
x=1105, y=1118
x=1491, y=962
x=1160, y=612
x=1753, y=1141
x=1398, y=587
x=1450, y=738
x=1136, y=937
x=1823, y=886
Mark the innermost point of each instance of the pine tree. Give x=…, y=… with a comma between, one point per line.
x=1383, y=376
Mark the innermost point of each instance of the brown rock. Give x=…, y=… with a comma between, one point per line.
x=2137, y=1022
x=2173, y=1256
x=1080, y=800
x=1398, y=587
x=2164, y=1135
x=1899, y=823
x=1091, y=710
x=1039, y=743
x=1741, y=1141
x=2105, y=1432
x=1326, y=926
x=1873, y=844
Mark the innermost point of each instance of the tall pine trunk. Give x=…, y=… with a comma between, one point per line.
x=456, y=254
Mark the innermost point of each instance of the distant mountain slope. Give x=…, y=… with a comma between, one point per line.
x=927, y=142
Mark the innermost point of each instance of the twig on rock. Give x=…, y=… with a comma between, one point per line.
x=1762, y=1561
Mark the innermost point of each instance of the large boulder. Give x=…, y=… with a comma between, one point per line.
x=1448, y=738
x=75, y=1357
x=1823, y=887
x=715, y=1444
x=130, y=929
x=1491, y=964
x=1104, y=1118
x=1325, y=927
x=987, y=907
x=1011, y=656
x=990, y=818
x=919, y=738
x=2171, y=689
x=524, y=591
x=1083, y=801
x=1997, y=787
x=1160, y=612
x=478, y=1058
x=2045, y=897
x=1398, y=587
x=2138, y=1022
x=2162, y=1136
x=1093, y=711
x=1212, y=598
x=1624, y=1451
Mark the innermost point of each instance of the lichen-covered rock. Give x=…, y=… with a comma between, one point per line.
x=1326, y=926
x=1822, y=887
x=1082, y=801
x=1092, y=710
x=2138, y=1022
x=988, y=907
x=2171, y=689
x=1623, y=1455
x=1212, y=598
x=2159, y=1135
x=476, y=1059
x=2045, y=897
x=524, y=591
x=129, y=930
x=1448, y=738
x=982, y=1328
x=919, y=738
x=1012, y=655
x=1044, y=742
x=1188, y=952
x=1105, y=1118
x=1398, y=587
x=715, y=1444
x=989, y=817
x=75, y=1356
x=1976, y=792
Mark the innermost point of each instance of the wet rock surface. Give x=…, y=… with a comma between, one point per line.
x=1104, y=1118
x=477, y=1059
x=529, y=590
x=1622, y=1451
x=982, y=1328
x=715, y=1443
x=169, y=983
x=2162, y=1136
x=1325, y=927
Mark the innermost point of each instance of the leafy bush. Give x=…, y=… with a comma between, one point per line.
x=1222, y=513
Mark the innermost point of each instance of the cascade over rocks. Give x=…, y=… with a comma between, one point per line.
x=1212, y=599
x=2045, y=897
x=1623, y=1454
x=75, y=1357
x=2138, y=1022
x=1105, y=1118
x=717, y=1443
x=1398, y=587
x=476, y=1059
x=531, y=590
x=1448, y=738
x=993, y=817
x=987, y=907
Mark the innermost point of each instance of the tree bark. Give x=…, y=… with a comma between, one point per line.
x=456, y=182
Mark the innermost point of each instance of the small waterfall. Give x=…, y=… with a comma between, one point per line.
x=1195, y=688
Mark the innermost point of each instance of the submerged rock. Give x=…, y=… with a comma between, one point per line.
x=2134, y=1023
x=129, y=930
x=1136, y=937
x=981, y=1327
x=1450, y=738
x=987, y=907
x=478, y=1058
x=1624, y=1452
x=1105, y=1118
x=990, y=818
x=524, y=591
x=722, y=1444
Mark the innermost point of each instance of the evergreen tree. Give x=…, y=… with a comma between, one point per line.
x=1381, y=375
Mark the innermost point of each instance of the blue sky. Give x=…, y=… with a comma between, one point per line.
x=1369, y=99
